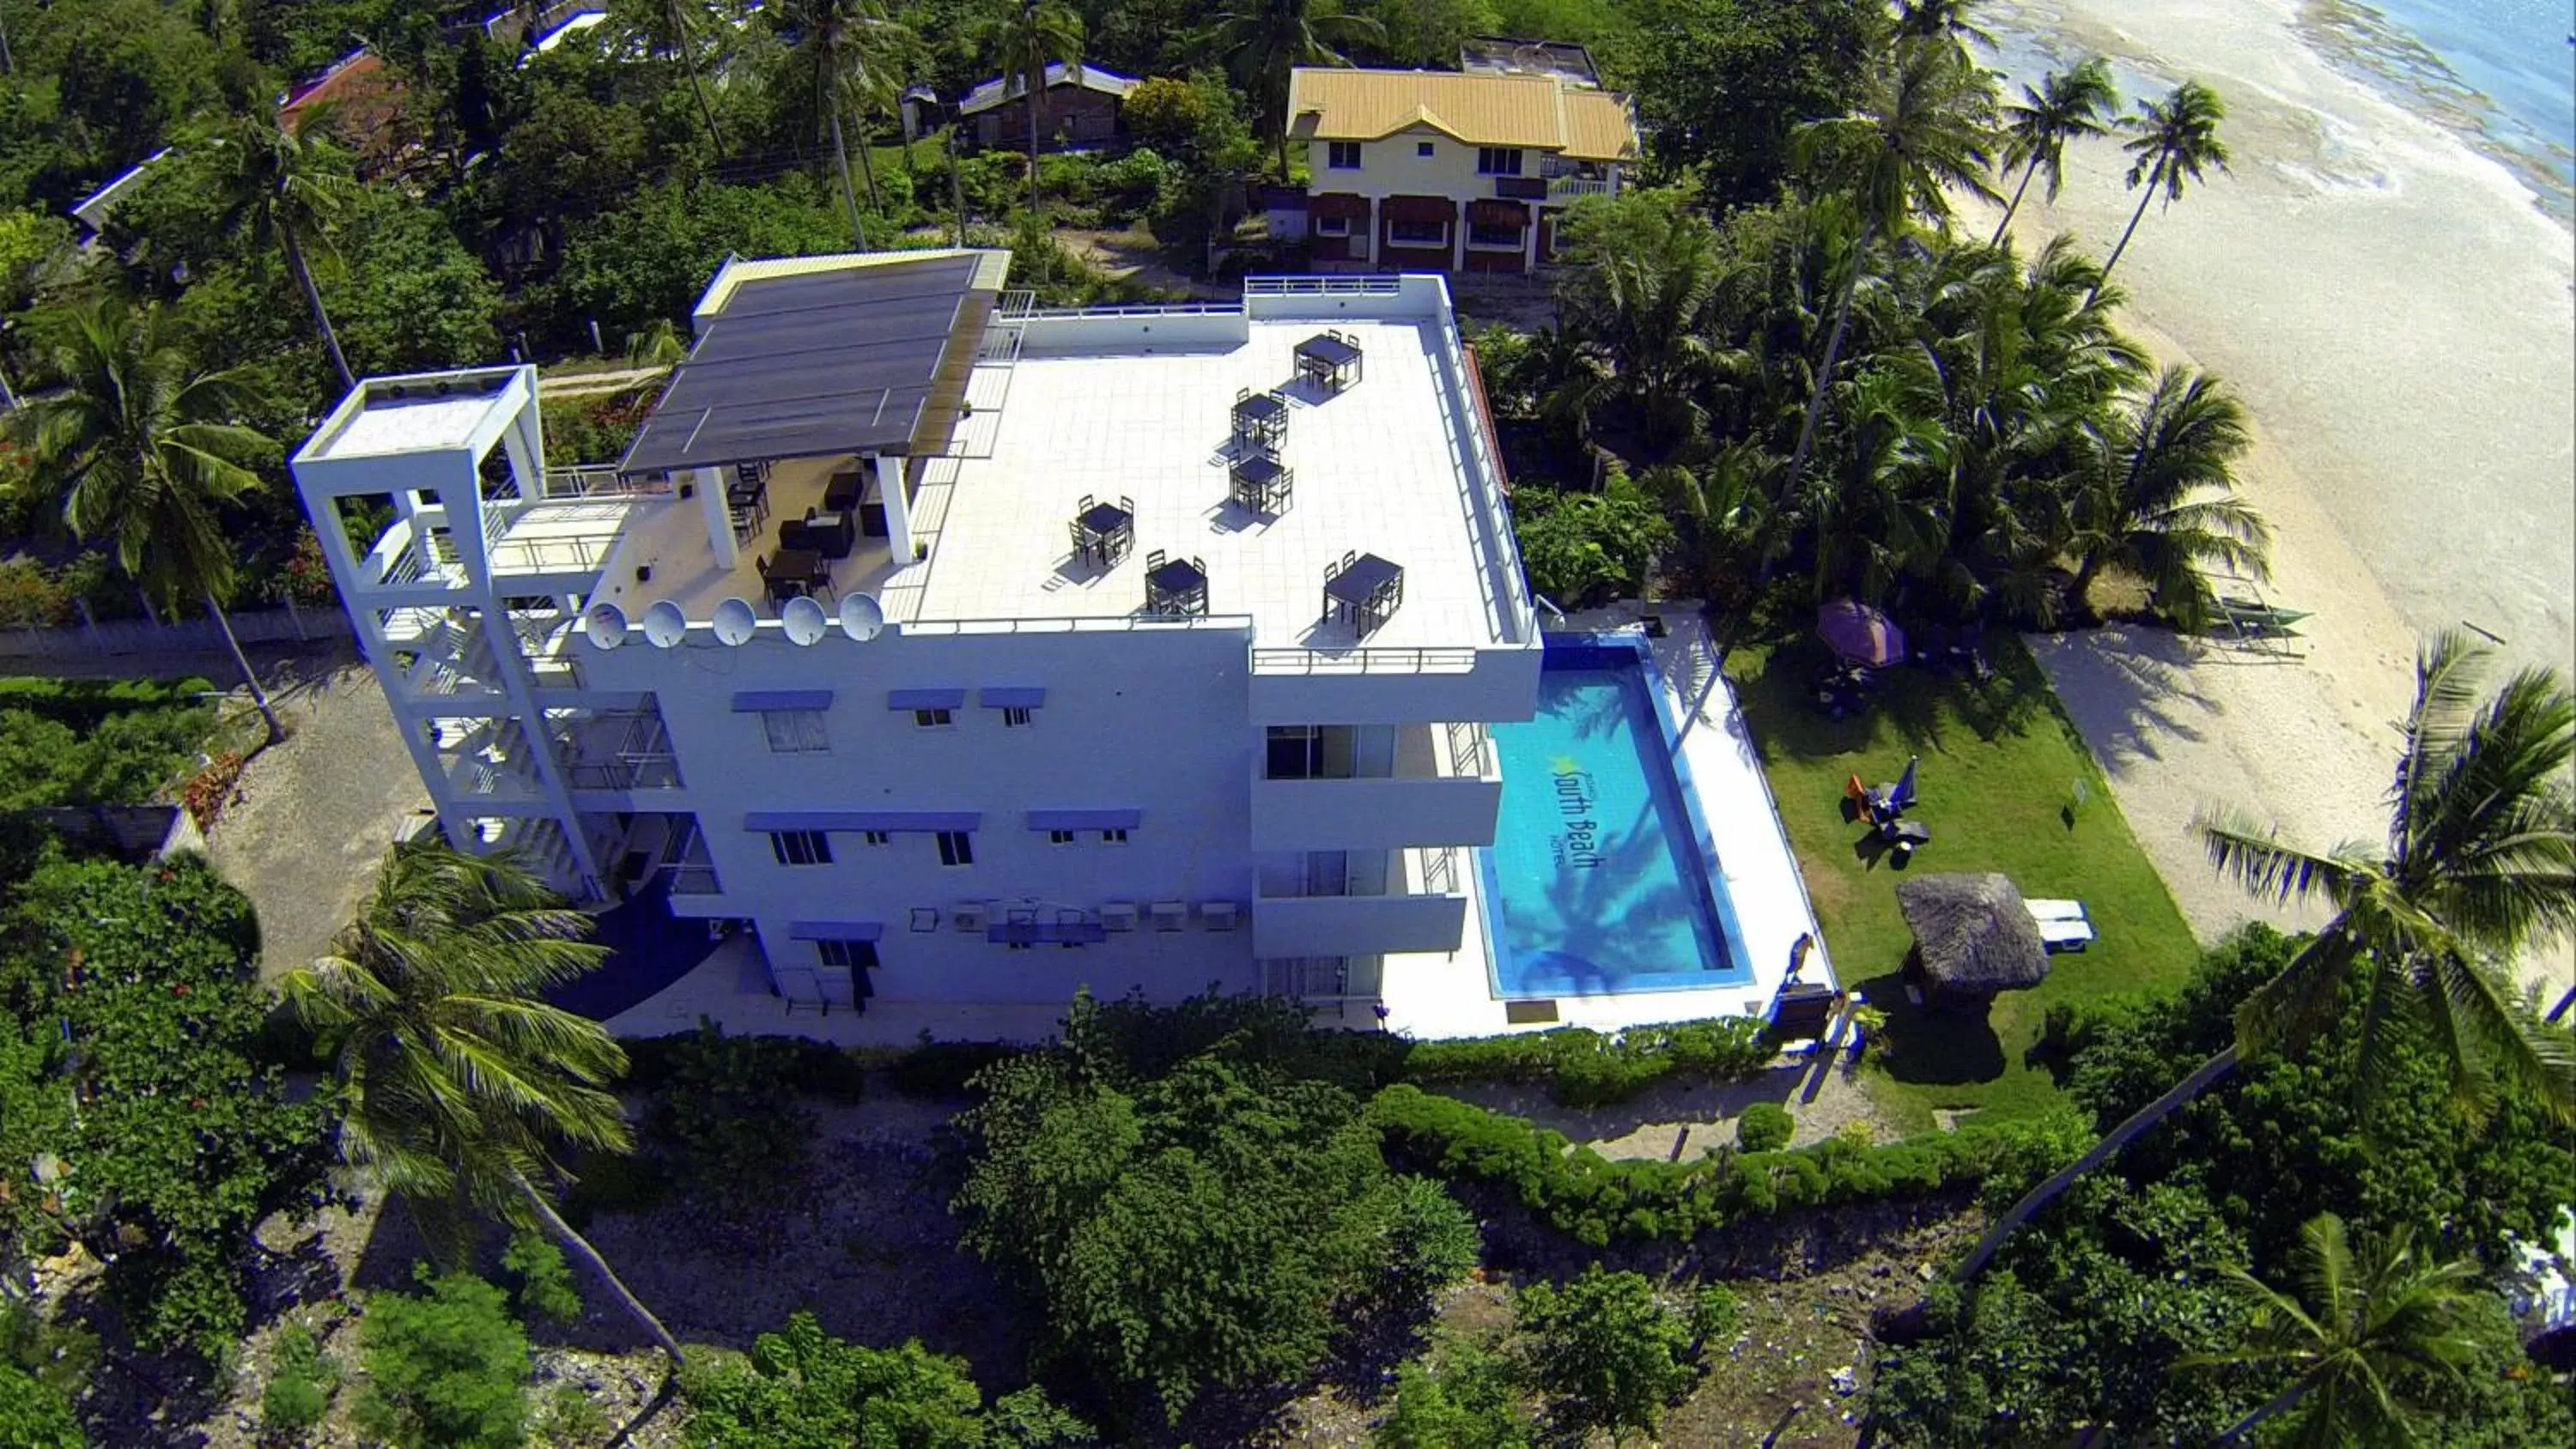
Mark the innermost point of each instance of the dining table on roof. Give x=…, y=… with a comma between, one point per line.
x=1332, y=359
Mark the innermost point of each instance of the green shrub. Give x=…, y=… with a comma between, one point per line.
x=446, y=1370
x=1764, y=1127
x=816, y=1068
x=1470, y=1400
x=300, y=1384
x=611, y=1182
x=82, y=703
x=58, y=1354
x=571, y=1420
x=801, y=1386
x=730, y=1120
x=938, y=1070
x=35, y=1415
x=543, y=1283
x=1594, y=1200
x=1432, y=1242
x=1585, y=1068
x=1609, y=1349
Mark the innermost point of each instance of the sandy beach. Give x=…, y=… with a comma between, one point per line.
x=2395, y=311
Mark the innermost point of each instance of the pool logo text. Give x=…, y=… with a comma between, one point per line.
x=1579, y=847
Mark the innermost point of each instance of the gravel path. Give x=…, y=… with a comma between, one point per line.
x=313, y=816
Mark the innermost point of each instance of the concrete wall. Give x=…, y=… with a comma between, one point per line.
x=1153, y=722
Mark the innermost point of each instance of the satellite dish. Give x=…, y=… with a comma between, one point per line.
x=605, y=624
x=664, y=624
x=862, y=617
x=804, y=619
x=734, y=621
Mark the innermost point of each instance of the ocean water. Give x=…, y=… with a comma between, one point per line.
x=2501, y=71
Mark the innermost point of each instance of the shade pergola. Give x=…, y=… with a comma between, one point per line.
x=1973, y=936
x=822, y=357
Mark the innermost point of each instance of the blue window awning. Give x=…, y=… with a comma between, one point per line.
x=904, y=820
x=752, y=701
x=835, y=930
x=1047, y=933
x=1014, y=697
x=1085, y=819
x=925, y=699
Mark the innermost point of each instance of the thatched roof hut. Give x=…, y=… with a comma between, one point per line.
x=1973, y=936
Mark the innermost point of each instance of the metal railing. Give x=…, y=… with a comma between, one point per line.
x=1292, y=286
x=694, y=880
x=600, y=480
x=1364, y=661
x=1569, y=188
x=1098, y=624
x=1439, y=870
x=1470, y=748
x=1481, y=488
x=1131, y=309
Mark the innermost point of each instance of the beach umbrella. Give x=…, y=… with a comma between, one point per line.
x=1903, y=795
x=1859, y=633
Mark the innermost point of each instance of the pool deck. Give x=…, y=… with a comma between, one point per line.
x=1438, y=995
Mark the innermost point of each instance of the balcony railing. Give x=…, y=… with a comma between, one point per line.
x=1521, y=188
x=1575, y=188
x=1363, y=661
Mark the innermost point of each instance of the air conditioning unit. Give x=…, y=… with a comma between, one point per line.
x=968, y=915
x=1118, y=916
x=1219, y=915
x=1169, y=915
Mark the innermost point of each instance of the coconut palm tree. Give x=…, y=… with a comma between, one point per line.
x=677, y=29
x=2174, y=140
x=2350, y=1330
x=1649, y=272
x=140, y=448
x=457, y=1081
x=2064, y=106
x=289, y=186
x=1941, y=19
x=1025, y=39
x=2480, y=858
x=2156, y=495
x=1261, y=41
x=855, y=55
x=1921, y=131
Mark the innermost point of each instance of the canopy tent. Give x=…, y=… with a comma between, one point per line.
x=1860, y=634
x=1973, y=936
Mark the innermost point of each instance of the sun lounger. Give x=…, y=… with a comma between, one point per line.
x=2057, y=936
x=2055, y=910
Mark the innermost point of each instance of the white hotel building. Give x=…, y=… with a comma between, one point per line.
x=982, y=766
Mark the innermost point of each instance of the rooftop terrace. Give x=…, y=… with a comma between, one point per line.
x=1136, y=405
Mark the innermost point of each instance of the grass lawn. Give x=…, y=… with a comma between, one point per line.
x=2000, y=783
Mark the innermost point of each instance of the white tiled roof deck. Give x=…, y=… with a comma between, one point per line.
x=1376, y=472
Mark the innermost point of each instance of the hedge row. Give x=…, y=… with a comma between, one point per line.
x=1585, y=1068
x=1594, y=1200
x=83, y=703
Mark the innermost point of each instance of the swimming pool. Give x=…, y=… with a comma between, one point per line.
x=1601, y=878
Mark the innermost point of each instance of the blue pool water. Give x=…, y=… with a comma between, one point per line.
x=1599, y=880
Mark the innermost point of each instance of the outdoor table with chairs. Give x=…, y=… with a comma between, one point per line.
x=747, y=499
x=1260, y=483
x=792, y=573
x=832, y=535
x=1260, y=418
x=1330, y=359
x=1103, y=533
x=1364, y=589
x=1175, y=586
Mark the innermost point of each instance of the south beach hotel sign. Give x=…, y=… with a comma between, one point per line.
x=1577, y=846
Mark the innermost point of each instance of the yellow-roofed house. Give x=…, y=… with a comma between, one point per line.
x=1451, y=171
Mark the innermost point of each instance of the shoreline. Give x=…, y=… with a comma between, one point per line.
x=2312, y=281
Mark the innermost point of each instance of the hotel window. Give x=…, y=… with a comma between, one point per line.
x=801, y=847
x=855, y=955
x=1059, y=837
x=1018, y=719
x=956, y=847
x=1418, y=233
x=1481, y=235
x=1342, y=155
x=876, y=837
x=934, y=719
x=1423, y=149
x=1116, y=836
x=1332, y=226
x=1498, y=160
x=794, y=731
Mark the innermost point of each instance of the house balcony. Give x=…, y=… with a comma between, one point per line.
x=1361, y=903
x=1563, y=190
x=1521, y=188
x=1377, y=787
